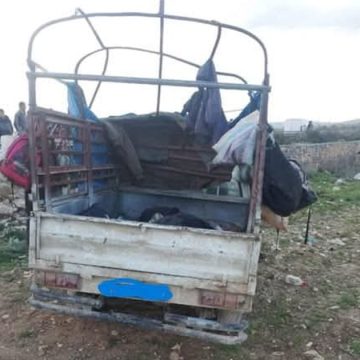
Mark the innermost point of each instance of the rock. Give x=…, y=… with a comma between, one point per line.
x=5, y=317
x=174, y=355
x=311, y=240
x=42, y=350
x=277, y=353
x=175, y=352
x=309, y=344
x=339, y=181
x=6, y=209
x=176, y=347
x=114, y=333
x=293, y=280
x=27, y=274
x=313, y=355
x=335, y=307
x=357, y=176
x=336, y=242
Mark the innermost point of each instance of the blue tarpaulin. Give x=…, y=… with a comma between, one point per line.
x=77, y=106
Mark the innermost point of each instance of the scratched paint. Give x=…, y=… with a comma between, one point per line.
x=132, y=288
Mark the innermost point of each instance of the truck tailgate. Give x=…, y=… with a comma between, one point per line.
x=190, y=261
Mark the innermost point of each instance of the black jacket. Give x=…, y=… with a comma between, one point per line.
x=6, y=127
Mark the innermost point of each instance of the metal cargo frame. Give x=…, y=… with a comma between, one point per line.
x=37, y=72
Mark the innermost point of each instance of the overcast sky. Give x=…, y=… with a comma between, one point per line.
x=313, y=46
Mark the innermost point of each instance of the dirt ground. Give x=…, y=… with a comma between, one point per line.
x=319, y=320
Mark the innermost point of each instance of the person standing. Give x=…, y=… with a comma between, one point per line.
x=20, y=119
x=6, y=127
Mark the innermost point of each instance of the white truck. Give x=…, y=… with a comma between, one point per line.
x=189, y=281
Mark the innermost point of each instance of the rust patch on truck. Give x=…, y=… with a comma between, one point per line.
x=218, y=299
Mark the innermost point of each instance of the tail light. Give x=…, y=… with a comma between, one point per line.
x=57, y=279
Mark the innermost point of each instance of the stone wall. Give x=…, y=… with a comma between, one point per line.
x=342, y=158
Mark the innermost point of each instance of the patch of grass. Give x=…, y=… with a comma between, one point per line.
x=14, y=233
x=276, y=316
x=326, y=288
x=13, y=247
x=226, y=352
x=228, y=349
x=348, y=300
x=9, y=258
x=330, y=199
x=355, y=347
x=315, y=318
x=112, y=342
x=298, y=339
x=25, y=334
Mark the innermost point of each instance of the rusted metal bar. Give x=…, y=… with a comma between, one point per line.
x=218, y=37
x=45, y=162
x=150, y=15
x=106, y=62
x=88, y=162
x=186, y=172
x=259, y=162
x=32, y=120
x=150, y=81
x=161, y=55
x=167, y=55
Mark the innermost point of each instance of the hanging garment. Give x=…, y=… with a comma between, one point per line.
x=308, y=196
x=77, y=105
x=237, y=146
x=124, y=149
x=253, y=105
x=282, y=187
x=205, y=117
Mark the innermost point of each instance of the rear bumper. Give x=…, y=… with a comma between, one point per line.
x=82, y=305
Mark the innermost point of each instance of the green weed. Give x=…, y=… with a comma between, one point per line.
x=13, y=247
x=348, y=300
x=25, y=334
x=333, y=197
x=355, y=347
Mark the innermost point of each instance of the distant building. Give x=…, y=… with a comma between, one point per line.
x=295, y=125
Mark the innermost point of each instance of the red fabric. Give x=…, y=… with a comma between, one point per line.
x=16, y=165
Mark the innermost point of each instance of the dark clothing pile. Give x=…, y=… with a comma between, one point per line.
x=96, y=210
x=285, y=187
x=173, y=216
